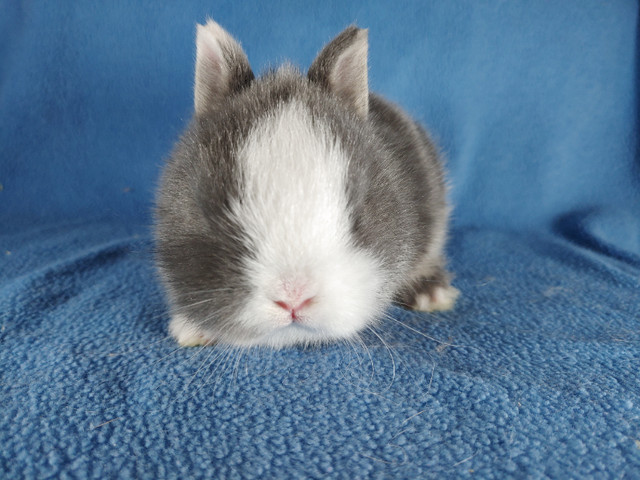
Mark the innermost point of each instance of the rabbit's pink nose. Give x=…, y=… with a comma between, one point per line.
x=294, y=309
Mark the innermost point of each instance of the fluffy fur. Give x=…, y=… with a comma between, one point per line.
x=295, y=209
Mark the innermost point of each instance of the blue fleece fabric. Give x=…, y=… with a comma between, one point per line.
x=534, y=374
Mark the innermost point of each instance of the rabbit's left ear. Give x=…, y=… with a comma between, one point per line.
x=222, y=67
x=341, y=67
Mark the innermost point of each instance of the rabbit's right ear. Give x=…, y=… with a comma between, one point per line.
x=341, y=67
x=222, y=67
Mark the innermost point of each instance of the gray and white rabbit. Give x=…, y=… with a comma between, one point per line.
x=295, y=209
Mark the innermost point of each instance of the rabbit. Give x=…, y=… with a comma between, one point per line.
x=295, y=209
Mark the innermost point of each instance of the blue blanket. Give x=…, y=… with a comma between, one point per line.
x=534, y=374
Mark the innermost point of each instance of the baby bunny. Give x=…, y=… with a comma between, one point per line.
x=295, y=209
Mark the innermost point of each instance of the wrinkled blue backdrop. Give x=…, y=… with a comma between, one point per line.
x=534, y=104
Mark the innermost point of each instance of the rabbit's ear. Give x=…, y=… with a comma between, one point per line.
x=341, y=67
x=222, y=67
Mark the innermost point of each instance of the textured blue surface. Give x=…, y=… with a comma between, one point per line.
x=535, y=373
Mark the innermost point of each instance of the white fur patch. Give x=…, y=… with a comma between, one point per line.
x=295, y=212
x=186, y=334
x=442, y=298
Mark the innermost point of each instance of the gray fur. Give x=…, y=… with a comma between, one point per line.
x=396, y=191
x=219, y=76
x=341, y=67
